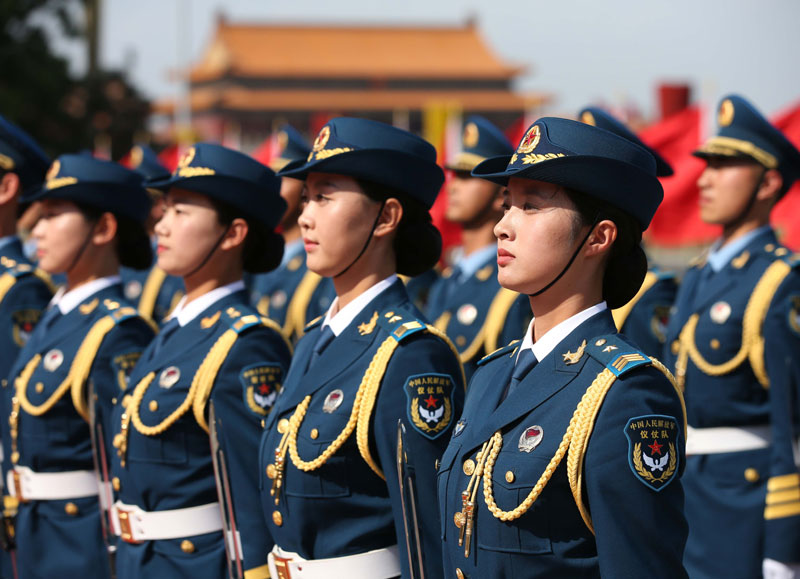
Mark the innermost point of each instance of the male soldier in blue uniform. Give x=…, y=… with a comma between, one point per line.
x=566, y=460
x=155, y=292
x=291, y=295
x=467, y=303
x=733, y=342
x=24, y=293
x=644, y=318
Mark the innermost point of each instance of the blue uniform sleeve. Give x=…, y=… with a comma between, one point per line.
x=627, y=494
x=244, y=391
x=781, y=347
x=422, y=377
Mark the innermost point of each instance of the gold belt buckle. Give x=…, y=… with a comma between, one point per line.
x=18, y=486
x=126, y=533
x=282, y=567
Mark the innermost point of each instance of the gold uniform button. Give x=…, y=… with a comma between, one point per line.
x=113, y=401
x=714, y=344
x=600, y=342
x=15, y=457
x=187, y=546
x=459, y=574
x=39, y=387
x=71, y=509
x=436, y=464
x=153, y=406
x=469, y=467
x=4, y=382
x=781, y=251
x=509, y=477
x=277, y=518
x=751, y=475
x=460, y=341
x=675, y=347
x=283, y=425
x=271, y=472
x=314, y=433
x=263, y=423
x=769, y=247
x=116, y=484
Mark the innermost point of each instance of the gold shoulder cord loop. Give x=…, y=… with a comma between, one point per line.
x=496, y=317
x=752, y=347
x=621, y=313
x=298, y=306
x=7, y=281
x=152, y=285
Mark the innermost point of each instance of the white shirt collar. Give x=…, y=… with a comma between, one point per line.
x=187, y=312
x=69, y=300
x=341, y=319
x=553, y=337
x=720, y=255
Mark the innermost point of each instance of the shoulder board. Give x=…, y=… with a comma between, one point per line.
x=400, y=324
x=663, y=274
x=313, y=324
x=499, y=352
x=21, y=270
x=793, y=260
x=242, y=318
x=116, y=311
x=616, y=354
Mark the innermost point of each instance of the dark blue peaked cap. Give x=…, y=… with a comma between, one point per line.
x=599, y=118
x=584, y=158
x=105, y=185
x=480, y=140
x=376, y=152
x=293, y=147
x=144, y=160
x=231, y=177
x=744, y=132
x=20, y=154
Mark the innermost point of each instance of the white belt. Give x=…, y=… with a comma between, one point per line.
x=136, y=525
x=28, y=485
x=727, y=439
x=377, y=564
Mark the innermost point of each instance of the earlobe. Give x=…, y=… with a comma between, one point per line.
x=9, y=186
x=771, y=185
x=390, y=218
x=603, y=237
x=105, y=229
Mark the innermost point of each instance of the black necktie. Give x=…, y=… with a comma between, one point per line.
x=326, y=336
x=525, y=362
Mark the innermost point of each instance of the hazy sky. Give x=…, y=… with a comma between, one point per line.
x=580, y=51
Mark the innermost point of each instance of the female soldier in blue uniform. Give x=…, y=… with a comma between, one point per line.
x=733, y=342
x=331, y=483
x=571, y=441
x=221, y=211
x=75, y=364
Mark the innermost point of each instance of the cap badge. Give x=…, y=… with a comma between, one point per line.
x=470, y=136
x=530, y=438
x=322, y=138
x=332, y=401
x=725, y=114
x=588, y=118
x=530, y=140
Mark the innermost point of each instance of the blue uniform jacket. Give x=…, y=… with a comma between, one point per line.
x=170, y=466
x=727, y=494
x=644, y=319
x=344, y=507
x=63, y=537
x=634, y=500
x=477, y=314
x=155, y=293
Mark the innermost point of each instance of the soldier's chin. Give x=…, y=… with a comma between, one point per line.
x=507, y=279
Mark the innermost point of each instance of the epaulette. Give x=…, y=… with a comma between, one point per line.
x=400, y=324
x=663, y=274
x=21, y=270
x=313, y=324
x=499, y=352
x=116, y=311
x=613, y=352
x=241, y=319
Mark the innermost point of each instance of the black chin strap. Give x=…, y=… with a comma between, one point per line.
x=83, y=248
x=366, y=244
x=571, y=259
x=750, y=202
x=209, y=254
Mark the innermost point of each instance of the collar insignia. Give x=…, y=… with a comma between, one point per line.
x=574, y=357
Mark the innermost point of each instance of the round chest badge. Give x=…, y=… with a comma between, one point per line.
x=530, y=438
x=720, y=312
x=133, y=289
x=333, y=401
x=278, y=299
x=169, y=377
x=53, y=359
x=466, y=314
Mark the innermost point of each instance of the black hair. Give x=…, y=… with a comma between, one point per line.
x=418, y=244
x=263, y=248
x=132, y=242
x=626, y=267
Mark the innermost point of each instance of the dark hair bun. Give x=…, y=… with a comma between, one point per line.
x=263, y=249
x=624, y=275
x=418, y=246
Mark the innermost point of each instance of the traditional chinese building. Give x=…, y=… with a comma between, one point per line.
x=253, y=77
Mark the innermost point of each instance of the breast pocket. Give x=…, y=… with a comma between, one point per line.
x=330, y=480
x=169, y=447
x=514, y=475
x=445, y=477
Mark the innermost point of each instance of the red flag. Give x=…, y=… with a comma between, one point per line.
x=266, y=150
x=169, y=157
x=677, y=221
x=786, y=212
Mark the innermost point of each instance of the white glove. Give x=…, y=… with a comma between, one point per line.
x=776, y=570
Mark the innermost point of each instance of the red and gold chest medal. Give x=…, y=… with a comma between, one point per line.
x=430, y=403
x=261, y=382
x=653, y=449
